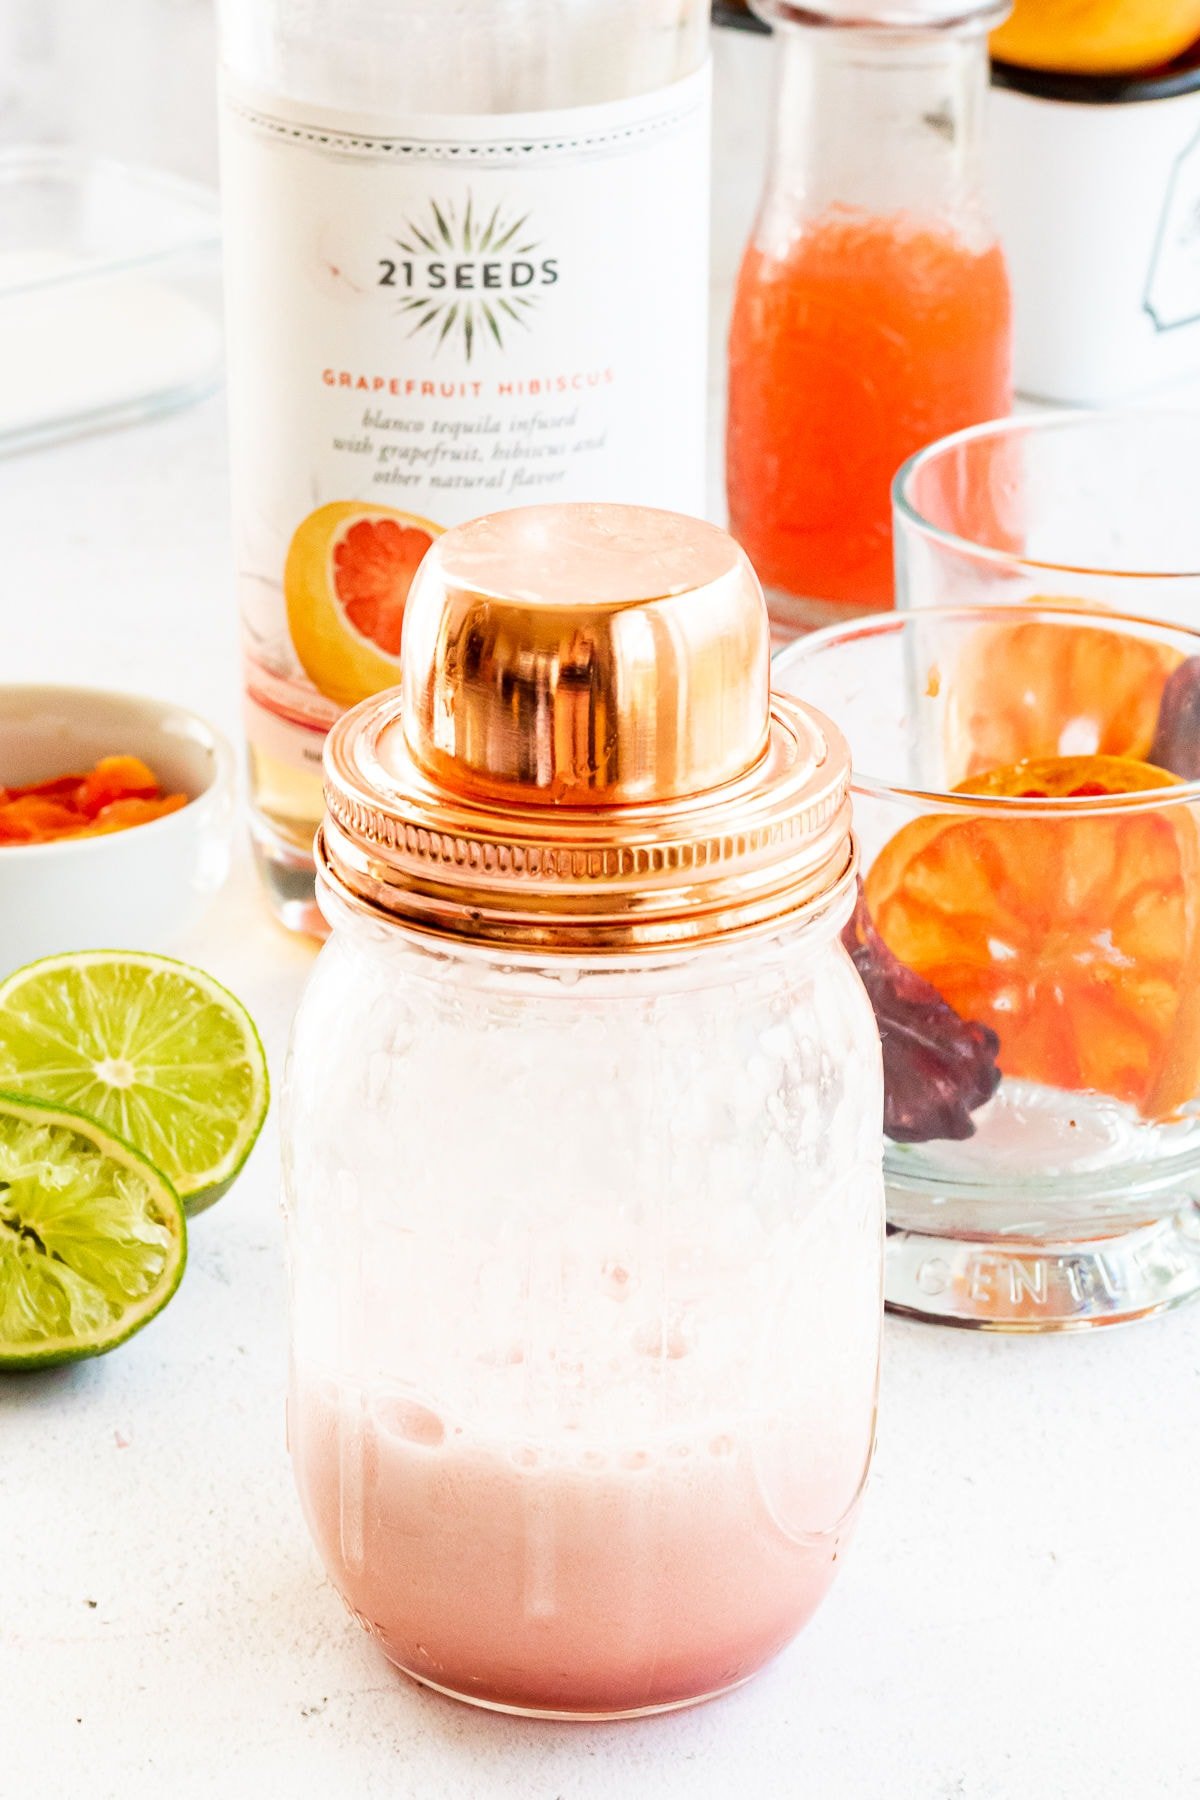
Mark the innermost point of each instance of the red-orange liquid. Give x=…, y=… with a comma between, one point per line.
x=871, y=337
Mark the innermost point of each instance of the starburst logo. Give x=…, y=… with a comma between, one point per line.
x=468, y=277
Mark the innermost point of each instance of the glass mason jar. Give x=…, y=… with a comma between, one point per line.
x=872, y=310
x=466, y=252
x=582, y=1152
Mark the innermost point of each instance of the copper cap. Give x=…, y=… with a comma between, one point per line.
x=584, y=752
x=585, y=656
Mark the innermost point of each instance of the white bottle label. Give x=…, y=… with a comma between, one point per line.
x=437, y=317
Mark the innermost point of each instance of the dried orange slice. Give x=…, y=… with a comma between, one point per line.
x=1070, y=778
x=346, y=579
x=1038, y=689
x=1075, y=937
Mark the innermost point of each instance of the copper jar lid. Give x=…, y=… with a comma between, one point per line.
x=584, y=753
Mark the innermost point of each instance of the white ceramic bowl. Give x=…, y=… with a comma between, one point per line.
x=137, y=889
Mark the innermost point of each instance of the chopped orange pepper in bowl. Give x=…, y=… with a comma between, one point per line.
x=119, y=792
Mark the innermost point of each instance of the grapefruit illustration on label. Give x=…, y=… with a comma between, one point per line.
x=349, y=568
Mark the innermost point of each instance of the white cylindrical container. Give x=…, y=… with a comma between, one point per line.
x=1096, y=189
x=466, y=249
x=582, y=1133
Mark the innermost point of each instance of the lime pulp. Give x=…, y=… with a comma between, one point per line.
x=92, y=1237
x=156, y=1052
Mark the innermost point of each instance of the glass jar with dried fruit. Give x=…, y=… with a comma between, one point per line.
x=1029, y=931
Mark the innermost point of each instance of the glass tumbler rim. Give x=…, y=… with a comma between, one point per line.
x=805, y=650
x=1014, y=425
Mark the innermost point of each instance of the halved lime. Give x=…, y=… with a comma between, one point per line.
x=153, y=1050
x=92, y=1237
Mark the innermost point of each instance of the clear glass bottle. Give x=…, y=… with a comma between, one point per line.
x=466, y=264
x=872, y=312
x=582, y=1134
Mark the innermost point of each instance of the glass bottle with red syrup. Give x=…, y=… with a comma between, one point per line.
x=872, y=312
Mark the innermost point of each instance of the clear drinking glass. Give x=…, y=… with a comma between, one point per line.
x=1097, y=506
x=1029, y=929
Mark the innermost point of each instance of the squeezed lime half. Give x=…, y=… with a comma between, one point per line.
x=156, y=1052
x=92, y=1236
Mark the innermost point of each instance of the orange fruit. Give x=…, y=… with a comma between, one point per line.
x=1097, y=37
x=346, y=579
x=1036, y=689
x=1073, y=934
x=1069, y=778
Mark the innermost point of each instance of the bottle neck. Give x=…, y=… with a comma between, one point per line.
x=406, y=57
x=886, y=121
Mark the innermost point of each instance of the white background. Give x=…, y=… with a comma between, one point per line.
x=1018, y=1616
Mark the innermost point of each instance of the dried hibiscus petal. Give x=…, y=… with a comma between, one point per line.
x=1176, y=745
x=937, y=1066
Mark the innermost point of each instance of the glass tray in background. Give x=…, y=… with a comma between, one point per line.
x=110, y=300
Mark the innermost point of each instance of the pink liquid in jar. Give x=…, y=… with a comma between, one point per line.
x=579, y=1580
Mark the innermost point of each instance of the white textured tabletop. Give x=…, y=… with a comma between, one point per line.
x=1018, y=1616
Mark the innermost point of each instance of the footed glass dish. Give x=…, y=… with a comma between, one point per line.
x=109, y=294
x=1025, y=794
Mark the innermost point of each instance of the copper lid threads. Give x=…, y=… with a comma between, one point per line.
x=584, y=753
